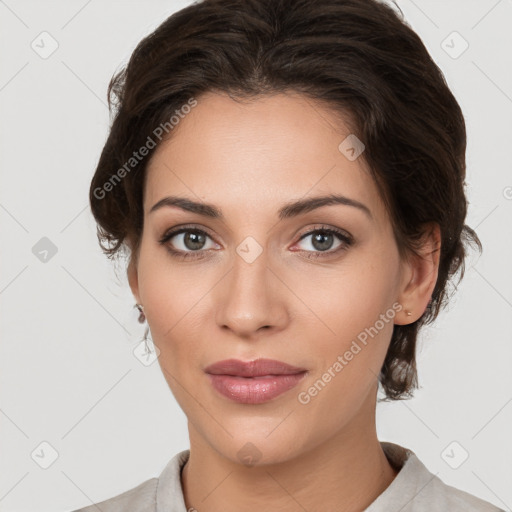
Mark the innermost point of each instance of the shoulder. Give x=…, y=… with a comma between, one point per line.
x=446, y=497
x=416, y=489
x=138, y=499
x=162, y=493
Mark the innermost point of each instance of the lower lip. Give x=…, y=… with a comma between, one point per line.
x=254, y=390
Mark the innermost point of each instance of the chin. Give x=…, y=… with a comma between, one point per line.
x=253, y=446
x=254, y=453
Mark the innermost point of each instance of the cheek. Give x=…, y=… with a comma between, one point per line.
x=173, y=303
x=168, y=289
x=356, y=318
x=350, y=298
x=347, y=363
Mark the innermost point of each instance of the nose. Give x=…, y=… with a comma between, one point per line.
x=251, y=299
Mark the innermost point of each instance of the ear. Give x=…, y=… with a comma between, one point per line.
x=420, y=276
x=133, y=278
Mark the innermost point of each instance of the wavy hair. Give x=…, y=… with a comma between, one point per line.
x=358, y=57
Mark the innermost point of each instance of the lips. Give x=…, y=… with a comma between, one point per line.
x=253, y=382
x=255, y=368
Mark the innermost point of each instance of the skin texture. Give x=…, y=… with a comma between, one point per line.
x=249, y=160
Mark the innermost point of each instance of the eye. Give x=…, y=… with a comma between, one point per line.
x=186, y=241
x=322, y=240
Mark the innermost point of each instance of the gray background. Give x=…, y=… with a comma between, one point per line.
x=68, y=375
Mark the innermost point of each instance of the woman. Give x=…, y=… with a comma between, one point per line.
x=288, y=177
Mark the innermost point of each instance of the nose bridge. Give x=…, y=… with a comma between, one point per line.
x=250, y=295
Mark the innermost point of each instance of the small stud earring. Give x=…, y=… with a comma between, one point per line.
x=408, y=313
x=142, y=316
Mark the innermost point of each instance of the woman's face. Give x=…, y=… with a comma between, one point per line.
x=260, y=284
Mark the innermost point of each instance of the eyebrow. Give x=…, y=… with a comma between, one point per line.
x=292, y=209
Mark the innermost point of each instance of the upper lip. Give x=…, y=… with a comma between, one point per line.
x=255, y=368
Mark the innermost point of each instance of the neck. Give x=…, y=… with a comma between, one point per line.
x=346, y=472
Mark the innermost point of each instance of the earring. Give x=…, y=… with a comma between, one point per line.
x=142, y=319
x=145, y=340
x=142, y=316
x=408, y=313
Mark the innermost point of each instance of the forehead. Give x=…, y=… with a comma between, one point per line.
x=258, y=154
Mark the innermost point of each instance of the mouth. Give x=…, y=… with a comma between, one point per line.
x=253, y=382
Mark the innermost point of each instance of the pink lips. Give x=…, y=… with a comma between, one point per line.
x=253, y=382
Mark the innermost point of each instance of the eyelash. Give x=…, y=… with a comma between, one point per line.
x=346, y=240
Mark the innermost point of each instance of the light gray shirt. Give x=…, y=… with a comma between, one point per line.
x=414, y=489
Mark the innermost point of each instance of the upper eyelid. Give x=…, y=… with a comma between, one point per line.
x=178, y=230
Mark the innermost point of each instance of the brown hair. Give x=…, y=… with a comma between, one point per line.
x=358, y=57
